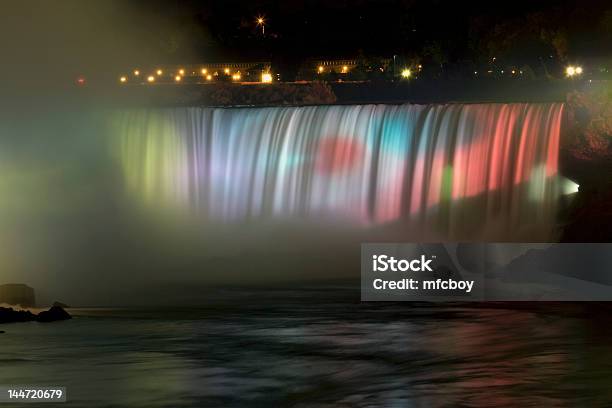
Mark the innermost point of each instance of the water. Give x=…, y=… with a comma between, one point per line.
x=324, y=353
x=440, y=169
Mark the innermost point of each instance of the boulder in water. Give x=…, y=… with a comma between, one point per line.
x=10, y=315
x=56, y=313
x=60, y=304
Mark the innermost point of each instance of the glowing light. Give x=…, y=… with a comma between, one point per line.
x=136, y=72
x=227, y=71
x=204, y=71
x=568, y=186
x=81, y=81
x=159, y=72
x=578, y=70
x=570, y=71
x=181, y=71
x=406, y=73
x=266, y=77
x=208, y=77
x=320, y=69
x=344, y=69
x=236, y=76
x=373, y=168
x=260, y=20
x=150, y=78
x=123, y=79
x=178, y=78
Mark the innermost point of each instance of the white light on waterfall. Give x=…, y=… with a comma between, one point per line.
x=569, y=187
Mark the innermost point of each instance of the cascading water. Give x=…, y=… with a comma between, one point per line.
x=456, y=171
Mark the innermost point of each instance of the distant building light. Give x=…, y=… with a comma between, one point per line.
x=320, y=69
x=227, y=71
x=136, y=72
x=123, y=79
x=570, y=71
x=344, y=69
x=81, y=81
x=150, y=78
x=178, y=78
x=236, y=76
x=204, y=71
x=181, y=71
x=208, y=77
x=578, y=70
x=406, y=73
x=513, y=72
x=266, y=77
x=159, y=72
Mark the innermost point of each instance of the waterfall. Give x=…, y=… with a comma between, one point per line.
x=457, y=170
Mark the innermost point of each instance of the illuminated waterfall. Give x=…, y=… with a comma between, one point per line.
x=454, y=169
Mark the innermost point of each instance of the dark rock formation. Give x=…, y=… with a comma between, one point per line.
x=17, y=294
x=60, y=304
x=54, y=314
x=10, y=315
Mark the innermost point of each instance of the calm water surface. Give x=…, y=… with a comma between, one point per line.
x=297, y=353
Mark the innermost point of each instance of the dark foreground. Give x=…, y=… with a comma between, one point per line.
x=297, y=353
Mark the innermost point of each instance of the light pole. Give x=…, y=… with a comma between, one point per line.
x=262, y=22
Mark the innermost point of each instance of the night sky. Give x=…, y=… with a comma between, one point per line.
x=103, y=37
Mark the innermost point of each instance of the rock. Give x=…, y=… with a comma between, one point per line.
x=56, y=313
x=9, y=315
x=60, y=304
x=2, y=332
x=17, y=294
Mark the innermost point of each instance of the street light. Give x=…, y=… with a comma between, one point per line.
x=204, y=71
x=266, y=77
x=261, y=22
x=136, y=72
x=208, y=77
x=123, y=79
x=236, y=76
x=150, y=78
x=406, y=73
x=320, y=69
x=344, y=69
x=159, y=72
x=177, y=78
x=181, y=71
x=571, y=71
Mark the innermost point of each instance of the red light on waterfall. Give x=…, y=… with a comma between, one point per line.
x=339, y=154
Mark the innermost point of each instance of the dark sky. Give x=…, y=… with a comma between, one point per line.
x=44, y=39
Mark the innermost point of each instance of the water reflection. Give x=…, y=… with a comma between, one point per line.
x=322, y=355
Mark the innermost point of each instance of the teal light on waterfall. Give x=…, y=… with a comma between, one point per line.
x=471, y=164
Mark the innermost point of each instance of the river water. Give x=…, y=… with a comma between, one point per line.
x=297, y=352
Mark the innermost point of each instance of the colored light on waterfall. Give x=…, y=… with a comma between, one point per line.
x=458, y=166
